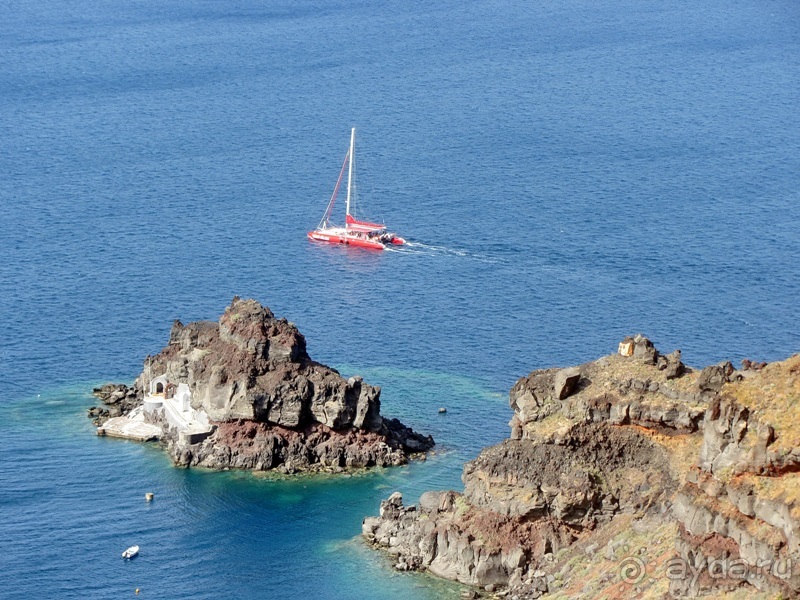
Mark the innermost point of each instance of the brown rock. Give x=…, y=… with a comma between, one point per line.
x=565, y=381
x=643, y=350
x=271, y=404
x=709, y=477
x=712, y=378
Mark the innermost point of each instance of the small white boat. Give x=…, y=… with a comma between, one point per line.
x=130, y=552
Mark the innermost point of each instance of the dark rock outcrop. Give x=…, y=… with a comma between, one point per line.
x=119, y=400
x=565, y=381
x=253, y=366
x=270, y=405
x=643, y=480
x=246, y=444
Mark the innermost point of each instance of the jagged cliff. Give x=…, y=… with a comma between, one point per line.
x=269, y=404
x=628, y=477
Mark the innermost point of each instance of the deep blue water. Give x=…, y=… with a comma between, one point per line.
x=567, y=172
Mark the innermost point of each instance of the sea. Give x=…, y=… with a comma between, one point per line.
x=566, y=173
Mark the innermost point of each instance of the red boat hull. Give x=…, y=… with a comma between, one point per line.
x=318, y=236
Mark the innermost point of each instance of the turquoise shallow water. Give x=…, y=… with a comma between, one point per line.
x=567, y=173
x=208, y=534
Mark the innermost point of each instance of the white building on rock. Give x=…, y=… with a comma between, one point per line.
x=172, y=402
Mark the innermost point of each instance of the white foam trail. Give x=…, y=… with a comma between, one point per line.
x=442, y=249
x=430, y=249
x=404, y=250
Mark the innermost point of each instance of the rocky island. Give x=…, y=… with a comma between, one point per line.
x=633, y=476
x=243, y=393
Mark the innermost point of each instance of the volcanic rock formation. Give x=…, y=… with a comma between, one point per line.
x=632, y=476
x=270, y=405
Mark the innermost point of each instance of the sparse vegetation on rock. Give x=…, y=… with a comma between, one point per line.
x=640, y=478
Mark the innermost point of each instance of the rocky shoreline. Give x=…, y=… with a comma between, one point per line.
x=633, y=476
x=259, y=446
x=118, y=400
x=243, y=393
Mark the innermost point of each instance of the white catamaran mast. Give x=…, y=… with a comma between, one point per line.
x=350, y=173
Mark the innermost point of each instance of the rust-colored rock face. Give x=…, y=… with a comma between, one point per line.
x=633, y=463
x=259, y=446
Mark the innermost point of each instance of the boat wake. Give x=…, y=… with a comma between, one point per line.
x=438, y=250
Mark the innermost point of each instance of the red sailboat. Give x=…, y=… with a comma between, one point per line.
x=363, y=234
